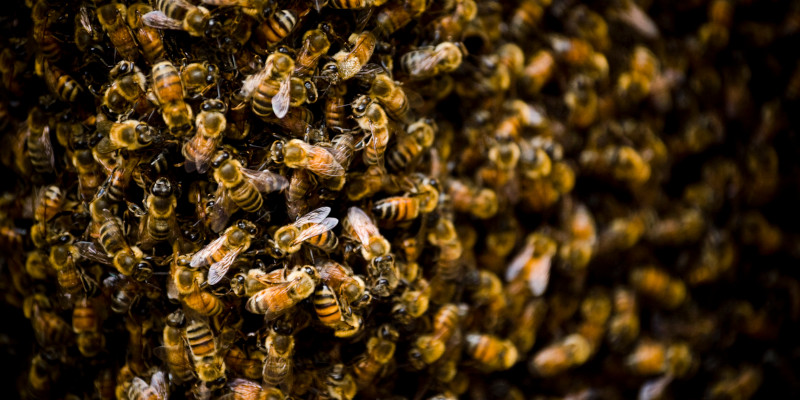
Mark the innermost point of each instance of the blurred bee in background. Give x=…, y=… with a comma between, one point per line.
x=658, y=286
x=561, y=355
x=380, y=351
x=428, y=62
x=533, y=263
x=158, y=387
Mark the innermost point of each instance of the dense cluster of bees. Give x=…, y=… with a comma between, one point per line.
x=339, y=199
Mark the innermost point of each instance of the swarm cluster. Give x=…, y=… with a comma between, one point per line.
x=339, y=199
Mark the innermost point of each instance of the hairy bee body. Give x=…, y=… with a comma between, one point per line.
x=112, y=18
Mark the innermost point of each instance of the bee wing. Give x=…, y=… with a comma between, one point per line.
x=92, y=252
x=276, y=365
x=316, y=229
x=274, y=310
x=220, y=212
x=654, y=388
x=85, y=19
x=265, y=181
x=313, y=217
x=362, y=225
x=250, y=84
x=199, y=258
x=220, y=268
x=159, y=383
x=159, y=20
x=281, y=101
x=519, y=262
x=47, y=146
x=637, y=19
x=539, y=274
x=275, y=277
x=427, y=60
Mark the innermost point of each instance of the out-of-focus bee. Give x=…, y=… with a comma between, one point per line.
x=623, y=328
x=312, y=228
x=686, y=225
x=63, y=258
x=380, y=351
x=533, y=263
x=523, y=335
x=428, y=62
x=242, y=389
x=741, y=384
x=538, y=71
x=319, y=160
x=577, y=250
x=408, y=148
x=491, y=352
x=250, y=365
x=48, y=203
x=131, y=135
x=429, y=348
x=279, y=348
x=561, y=355
x=717, y=255
x=179, y=15
x=526, y=17
x=339, y=384
x=450, y=26
x=112, y=17
x=270, y=88
x=157, y=389
x=622, y=163
x=105, y=384
x=220, y=254
x=211, y=123
x=590, y=26
x=335, y=108
x=169, y=93
x=198, y=78
x=42, y=375
x=204, y=348
x=347, y=63
x=657, y=285
x=86, y=325
x=397, y=14
x=355, y=4
x=174, y=353
x=281, y=295
x=244, y=186
x=582, y=99
x=90, y=176
x=40, y=146
x=127, y=88
x=315, y=45
x=277, y=27
x=149, y=39
x=756, y=231
x=359, y=226
x=37, y=264
x=480, y=202
x=49, y=329
x=652, y=358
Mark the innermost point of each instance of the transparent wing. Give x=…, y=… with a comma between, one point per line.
x=220, y=268
x=277, y=366
x=539, y=274
x=158, y=382
x=316, y=229
x=91, y=251
x=281, y=101
x=265, y=181
x=159, y=20
x=518, y=263
x=219, y=214
x=637, y=19
x=47, y=146
x=85, y=19
x=313, y=217
x=251, y=82
x=199, y=258
x=275, y=277
x=362, y=225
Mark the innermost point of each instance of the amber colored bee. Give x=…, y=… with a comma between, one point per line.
x=359, y=226
x=131, y=135
x=283, y=294
x=275, y=28
x=319, y=160
x=178, y=15
x=169, y=93
x=270, y=88
x=429, y=348
x=339, y=384
x=315, y=45
x=63, y=258
x=372, y=118
x=330, y=308
x=397, y=14
x=211, y=123
x=127, y=88
x=40, y=147
x=380, y=351
x=623, y=328
x=249, y=366
x=242, y=389
x=391, y=96
x=343, y=147
x=561, y=355
x=112, y=17
x=200, y=301
x=90, y=177
x=279, y=347
x=651, y=358
x=491, y=352
x=408, y=148
x=37, y=264
x=341, y=279
x=157, y=389
x=86, y=325
x=220, y=254
x=538, y=71
x=105, y=383
x=150, y=43
x=428, y=62
x=335, y=108
x=413, y=302
x=481, y=203
x=42, y=375
x=204, y=348
x=743, y=383
x=300, y=185
x=49, y=329
x=174, y=353
x=346, y=63
x=198, y=78
x=656, y=284
x=244, y=186
x=312, y=228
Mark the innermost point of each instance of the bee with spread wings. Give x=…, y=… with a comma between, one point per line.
x=313, y=228
x=220, y=254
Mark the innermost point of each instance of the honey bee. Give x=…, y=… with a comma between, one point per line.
x=312, y=228
x=372, y=119
x=249, y=366
x=737, y=384
x=150, y=43
x=198, y=78
x=428, y=62
x=157, y=389
x=37, y=265
x=276, y=27
x=359, y=226
x=408, y=148
x=86, y=325
x=397, y=14
x=204, y=348
x=242, y=389
x=63, y=258
x=429, y=348
x=270, y=88
x=339, y=384
x=169, y=93
x=347, y=64
x=127, y=88
x=43, y=374
x=561, y=355
x=330, y=308
x=533, y=263
x=174, y=353
x=718, y=254
x=413, y=302
x=124, y=257
x=116, y=183
x=334, y=108
x=480, y=202
x=391, y=96
x=159, y=221
x=40, y=146
x=90, y=177
x=131, y=135
x=244, y=186
x=105, y=384
x=279, y=348
x=342, y=280
x=657, y=285
x=211, y=123
x=283, y=294
x=380, y=351
x=113, y=19
x=623, y=328
x=316, y=159
x=300, y=185
x=398, y=208
x=48, y=203
x=315, y=45
x=220, y=254
x=491, y=352
x=49, y=329
x=179, y=15
x=652, y=358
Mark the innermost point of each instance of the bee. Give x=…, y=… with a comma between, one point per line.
x=90, y=177
x=480, y=202
x=523, y=335
x=279, y=348
x=315, y=45
x=113, y=19
x=49, y=329
x=491, y=352
x=428, y=62
x=346, y=64
x=37, y=265
x=249, y=366
x=312, y=228
x=150, y=43
x=540, y=68
x=270, y=88
x=359, y=226
x=316, y=159
x=86, y=325
x=334, y=108
x=48, y=203
x=737, y=384
x=124, y=257
x=63, y=258
x=623, y=328
x=211, y=123
x=408, y=148
x=157, y=389
x=283, y=294
x=198, y=78
x=397, y=14
x=657, y=285
x=204, y=348
x=40, y=146
x=526, y=17
x=560, y=356
x=242, y=389
x=372, y=119
x=244, y=186
x=391, y=96
x=174, y=352
x=105, y=384
x=42, y=375
x=429, y=348
x=179, y=15
x=116, y=183
x=131, y=135
x=275, y=28
x=380, y=351
x=533, y=263
x=339, y=384
x=220, y=254
x=413, y=302
x=341, y=279
x=159, y=221
x=652, y=358
x=330, y=308
x=398, y=208
x=169, y=93
x=127, y=88
x=300, y=185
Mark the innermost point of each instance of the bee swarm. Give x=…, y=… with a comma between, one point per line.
x=400, y=199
